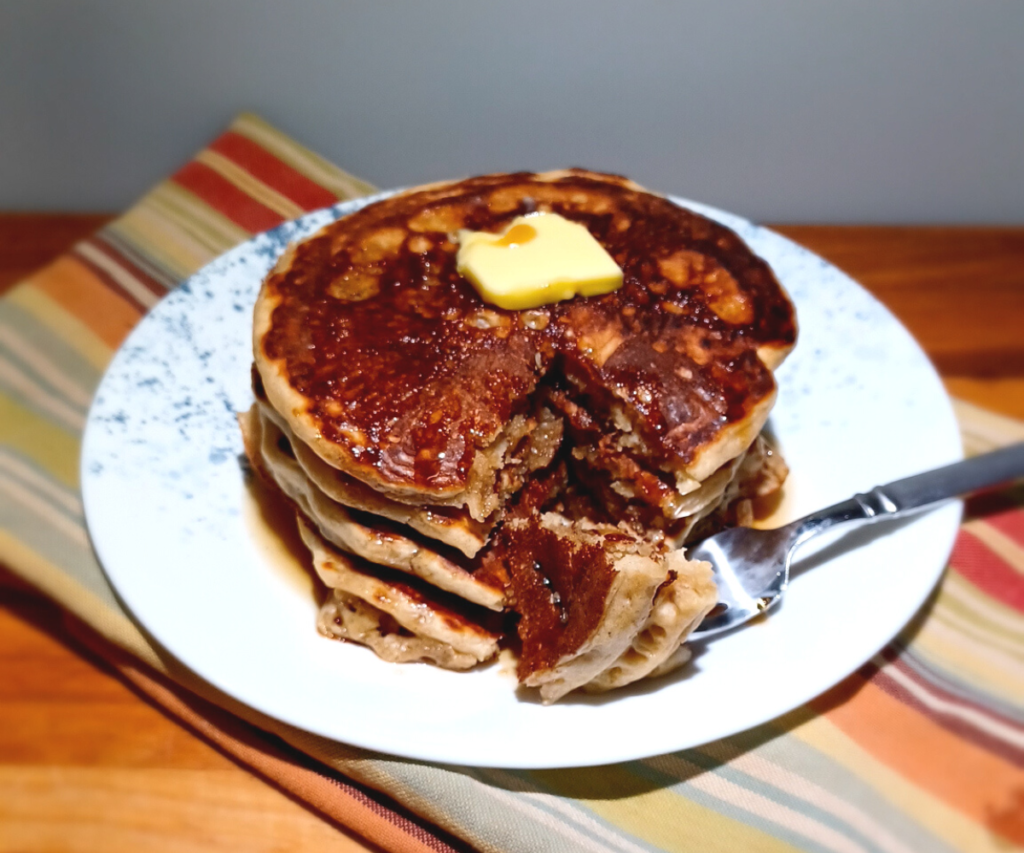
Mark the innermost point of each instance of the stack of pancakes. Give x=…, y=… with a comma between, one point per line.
x=468, y=477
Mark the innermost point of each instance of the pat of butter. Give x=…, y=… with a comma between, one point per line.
x=537, y=260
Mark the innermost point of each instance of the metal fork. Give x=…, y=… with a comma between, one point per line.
x=752, y=566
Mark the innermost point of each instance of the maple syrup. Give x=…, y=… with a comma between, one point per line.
x=270, y=520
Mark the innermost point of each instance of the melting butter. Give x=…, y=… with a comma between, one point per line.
x=537, y=260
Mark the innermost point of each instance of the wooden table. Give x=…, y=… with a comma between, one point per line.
x=86, y=765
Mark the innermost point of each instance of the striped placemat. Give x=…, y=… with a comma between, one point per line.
x=921, y=750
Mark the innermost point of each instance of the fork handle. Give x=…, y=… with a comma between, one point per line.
x=921, y=490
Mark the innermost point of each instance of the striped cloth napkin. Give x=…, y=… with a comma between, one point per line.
x=921, y=750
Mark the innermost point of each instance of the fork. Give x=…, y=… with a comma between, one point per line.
x=752, y=566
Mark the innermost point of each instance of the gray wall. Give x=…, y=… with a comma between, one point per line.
x=830, y=111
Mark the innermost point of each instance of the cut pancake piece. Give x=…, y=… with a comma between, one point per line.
x=376, y=540
x=683, y=398
x=628, y=489
x=582, y=591
x=418, y=612
x=630, y=492
x=680, y=604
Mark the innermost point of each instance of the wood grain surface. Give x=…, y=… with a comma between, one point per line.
x=87, y=765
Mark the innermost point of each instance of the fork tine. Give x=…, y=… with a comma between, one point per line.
x=751, y=572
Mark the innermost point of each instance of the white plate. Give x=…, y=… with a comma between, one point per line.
x=859, y=405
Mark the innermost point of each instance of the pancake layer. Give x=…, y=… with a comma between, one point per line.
x=386, y=362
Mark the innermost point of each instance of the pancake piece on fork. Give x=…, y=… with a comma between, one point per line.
x=562, y=451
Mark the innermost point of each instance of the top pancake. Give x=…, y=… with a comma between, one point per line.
x=389, y=365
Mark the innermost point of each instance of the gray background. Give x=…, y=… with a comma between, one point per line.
x=875, y=111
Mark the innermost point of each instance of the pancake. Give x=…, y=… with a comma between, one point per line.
x=599, y=604
x=445, y=456
x=680, y=604
x=636, y=633
x=384, y=360
x=372, y=539
x=347, y=617
x=416, y=611
x=453, y=526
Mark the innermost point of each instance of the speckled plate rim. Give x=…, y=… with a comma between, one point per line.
x=859, y=405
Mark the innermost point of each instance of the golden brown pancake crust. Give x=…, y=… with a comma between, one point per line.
x=405, y=373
